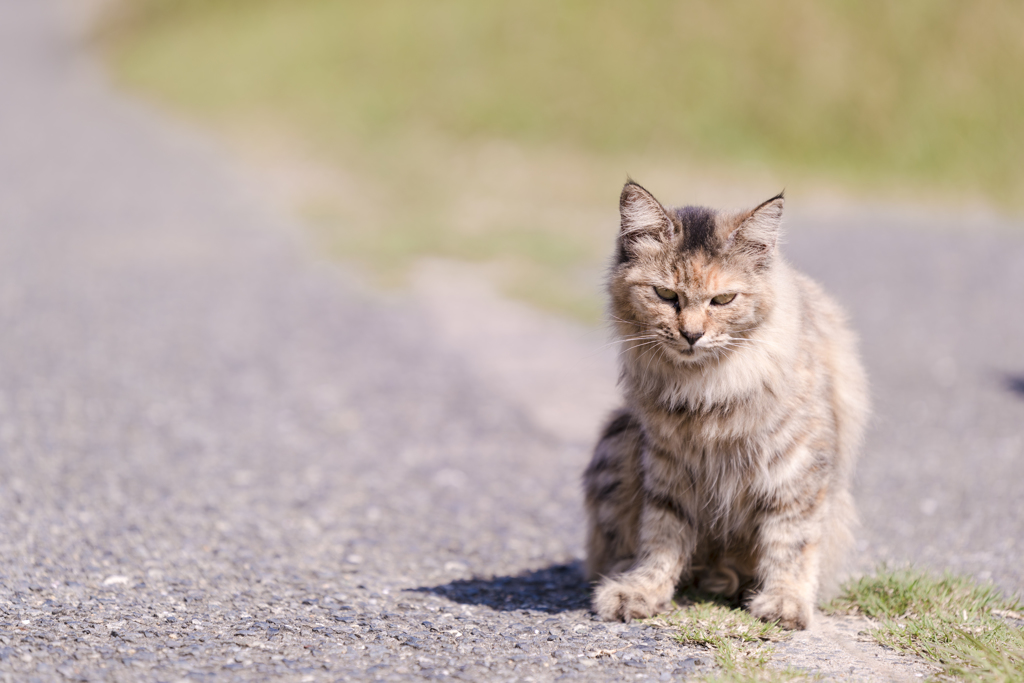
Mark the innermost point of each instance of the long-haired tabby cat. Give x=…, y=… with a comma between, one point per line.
x=729, y=466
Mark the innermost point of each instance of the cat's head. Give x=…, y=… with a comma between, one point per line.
x=690, y=284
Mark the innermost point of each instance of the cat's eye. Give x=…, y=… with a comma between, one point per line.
x=666, y=294
x=723, y=299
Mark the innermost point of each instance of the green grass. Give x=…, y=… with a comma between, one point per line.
x=925, y=89
x=503, y=131
x=970, y=630
x=739, y=643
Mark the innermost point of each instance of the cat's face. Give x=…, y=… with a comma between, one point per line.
x=690, y=285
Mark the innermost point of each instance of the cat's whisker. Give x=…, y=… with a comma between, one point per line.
x=602, y=347
x=742, y=342
x=636, y=338
x=732, y=345
x=745, y=340
x=637, y=346
x=651, y=344
x=625, y=340
x=613, y=324
x=657, y=348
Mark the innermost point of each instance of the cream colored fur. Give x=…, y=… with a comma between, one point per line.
x=729, y=466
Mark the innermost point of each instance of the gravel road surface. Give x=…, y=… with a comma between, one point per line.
x=223, y=459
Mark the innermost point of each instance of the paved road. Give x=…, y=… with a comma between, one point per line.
x=221, y=459
x=939, y=304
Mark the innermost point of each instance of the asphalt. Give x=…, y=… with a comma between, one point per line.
x=939, y=304
x=222, y=458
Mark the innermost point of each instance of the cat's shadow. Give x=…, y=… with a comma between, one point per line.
x=554, y=589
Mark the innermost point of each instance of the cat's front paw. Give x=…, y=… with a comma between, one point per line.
x=624, y=600
x=790, y=611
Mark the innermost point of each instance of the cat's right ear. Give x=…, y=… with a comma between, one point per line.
x=643, y=219
x=758, y=232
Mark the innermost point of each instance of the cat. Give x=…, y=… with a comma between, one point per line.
x=729, y=466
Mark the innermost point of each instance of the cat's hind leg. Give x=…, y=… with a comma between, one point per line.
x=611, y=485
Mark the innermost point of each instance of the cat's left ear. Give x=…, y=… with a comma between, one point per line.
x=757, y=234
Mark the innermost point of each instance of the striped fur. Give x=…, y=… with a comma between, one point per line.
x=729, y=466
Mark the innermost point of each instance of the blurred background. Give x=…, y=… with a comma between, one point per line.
x=500, y=133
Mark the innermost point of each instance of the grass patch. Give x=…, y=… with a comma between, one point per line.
x=739, y=643
x=503, y=131
x=970, y=630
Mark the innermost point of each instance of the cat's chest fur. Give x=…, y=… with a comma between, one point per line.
x=712, y=458
x=740, y=409
x=732, y=437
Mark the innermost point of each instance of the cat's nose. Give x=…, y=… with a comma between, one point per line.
x=692, y=337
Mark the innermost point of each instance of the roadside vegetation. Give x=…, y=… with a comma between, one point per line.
x=968, y=630
x=740, y=644
x=501, y=132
